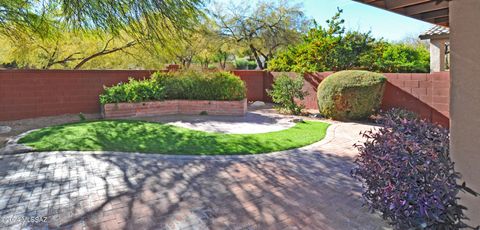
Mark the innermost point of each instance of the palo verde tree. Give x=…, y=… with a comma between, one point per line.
x=203, y=46
x=263, y=30
x=140, y=18
x=49, y=23
x=67, y=50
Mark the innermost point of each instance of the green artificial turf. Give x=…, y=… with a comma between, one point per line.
x=149, y=137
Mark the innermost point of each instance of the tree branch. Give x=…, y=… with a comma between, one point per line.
x=104, y=51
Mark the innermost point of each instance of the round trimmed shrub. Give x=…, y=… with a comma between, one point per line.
x=350, y=94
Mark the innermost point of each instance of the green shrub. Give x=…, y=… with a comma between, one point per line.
x=179, y=85
x=252, y=64
x=212, y=67
x=245, y=64
x=241, y=64
x=133, y=91
x=284, y=92
x=333, y=48
x=350, y=95
x=397, y=58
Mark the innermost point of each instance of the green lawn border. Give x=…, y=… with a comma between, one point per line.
x=159, y=138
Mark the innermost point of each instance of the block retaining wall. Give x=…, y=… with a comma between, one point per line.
x=173, y=107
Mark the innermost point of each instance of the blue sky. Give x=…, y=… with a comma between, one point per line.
x=362, y=17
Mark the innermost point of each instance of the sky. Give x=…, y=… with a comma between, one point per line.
x=358, y=16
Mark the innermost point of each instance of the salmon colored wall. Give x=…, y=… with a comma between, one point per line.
x=425, y=94
x=36, y=93
x=465, y=99
x=257, y=82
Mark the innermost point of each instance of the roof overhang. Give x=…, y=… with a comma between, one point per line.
x=432, y=11
x=436, y=33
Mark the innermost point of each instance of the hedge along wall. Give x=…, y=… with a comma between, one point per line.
x=424, y=93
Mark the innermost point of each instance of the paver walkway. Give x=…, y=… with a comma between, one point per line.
x=306, y=188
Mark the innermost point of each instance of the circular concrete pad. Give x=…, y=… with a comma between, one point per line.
x=260, y=121
x=237, y=127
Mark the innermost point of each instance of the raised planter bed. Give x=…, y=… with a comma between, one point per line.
x=172, y=107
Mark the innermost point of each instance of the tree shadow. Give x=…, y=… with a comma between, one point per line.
x=301, y=188
x=396, y=97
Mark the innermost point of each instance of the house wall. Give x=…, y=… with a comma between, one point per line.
x=465, y=98
x=437, y=55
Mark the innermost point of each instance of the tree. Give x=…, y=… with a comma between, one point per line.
x=78, y=50
x=333, y=49
x=330, y=48
x=194, y=47
x=139, y=18
x=268, y=28
x=202, y=45
x=405, y=58
x=51, y=29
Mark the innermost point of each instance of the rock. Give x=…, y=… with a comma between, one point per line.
x=297, y=120
x=258, y=104
x=316, y=115
x=5, y=129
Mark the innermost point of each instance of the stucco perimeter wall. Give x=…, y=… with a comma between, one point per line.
x=173, y=107
x=465, y=97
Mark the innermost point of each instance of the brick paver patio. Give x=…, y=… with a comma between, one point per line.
x=307, y=188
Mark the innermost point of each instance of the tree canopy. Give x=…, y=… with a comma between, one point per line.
x=141, y=34
x=150, y=18
x=74, y=33
x=332, y=48
x=264, y=30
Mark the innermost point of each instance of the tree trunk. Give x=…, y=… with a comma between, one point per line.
x=223, y=63
x=257, y=57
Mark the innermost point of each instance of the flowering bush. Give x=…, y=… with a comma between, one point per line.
x=408, y=175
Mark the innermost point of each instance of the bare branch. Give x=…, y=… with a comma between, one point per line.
x=104, y=51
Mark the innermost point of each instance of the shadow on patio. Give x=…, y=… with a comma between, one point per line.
x=300, y=188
